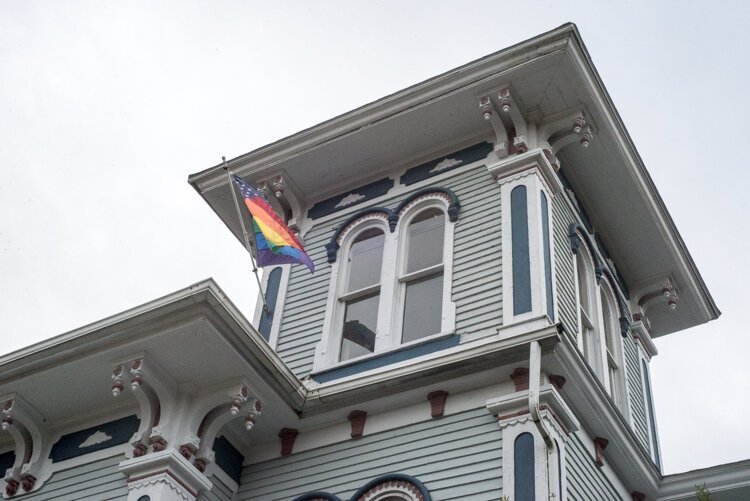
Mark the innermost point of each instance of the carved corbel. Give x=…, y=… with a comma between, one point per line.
x=277, y=187
x=151, y=387
x=509, y=106
x=561, y=132
x=490, y=114
x=657, y=292
x=217, y=409
x=30, y=436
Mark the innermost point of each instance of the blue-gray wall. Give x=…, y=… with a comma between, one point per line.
x=477, y=270
x=99, y=480
x=456, y=457
x=586, y=481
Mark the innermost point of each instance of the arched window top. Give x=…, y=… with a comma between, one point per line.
x=425, y=234
x=393, y=487
x=365, y=259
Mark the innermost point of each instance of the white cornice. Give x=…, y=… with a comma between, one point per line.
x=717, y=478
x=600, y=417
x=369, y=115
x=664, y=222
x=548, y=396
x=435, y=365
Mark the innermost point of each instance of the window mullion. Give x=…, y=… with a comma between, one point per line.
x=389, y=295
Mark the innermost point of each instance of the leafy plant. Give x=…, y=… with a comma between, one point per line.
x=702, y=493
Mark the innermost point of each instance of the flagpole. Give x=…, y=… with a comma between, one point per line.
x=245, y=237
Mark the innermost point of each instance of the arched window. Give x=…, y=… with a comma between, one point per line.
x=361, y=295
x=613, y=343
x=391, y=277
x=421, y=277
x=588, y=322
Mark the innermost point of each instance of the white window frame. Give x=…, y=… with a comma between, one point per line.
x=392, y=286
x=617, y=388
x=588, y=344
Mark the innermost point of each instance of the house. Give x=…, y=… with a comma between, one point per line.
x=492, y=263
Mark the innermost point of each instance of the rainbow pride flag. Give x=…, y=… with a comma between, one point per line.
x=275, y=242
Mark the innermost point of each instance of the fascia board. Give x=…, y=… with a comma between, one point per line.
x=718, y=478
x=633, y=462
x=112, y=331
x=466, y=359
x=266, y=157
x=613, y=122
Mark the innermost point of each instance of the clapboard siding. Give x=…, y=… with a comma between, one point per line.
x=99, y=480
x=219, y=492
x=456, y=457
x=586, y=481
x=476, y=270
x=565, y=279
x=635, y=390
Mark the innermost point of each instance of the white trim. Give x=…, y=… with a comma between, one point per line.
x=391, y=287
x=653, y=442
x=532, y=177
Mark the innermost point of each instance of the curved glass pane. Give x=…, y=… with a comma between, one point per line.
x=365, y=259
x=426, y=232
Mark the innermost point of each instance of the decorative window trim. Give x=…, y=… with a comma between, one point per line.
x=394, y=224
x=620, y=397
x=404, y=486
x=536, y=184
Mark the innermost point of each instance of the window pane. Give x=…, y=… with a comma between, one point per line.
x=422, y=308
x=360, y=322
x=426, y=232
x=365, y=259
x=609, y=323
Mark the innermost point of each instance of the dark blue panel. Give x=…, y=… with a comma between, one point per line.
x=272, y=293
x=547, y=257
x=650, y=402
x=446, y=163
x=228, y=458
x=523, y=468
x=519, y=222
x=316, y=495
x=366, y=192
x=94, y=439
x=144, y=498
x=389, y=358
x=6, y=461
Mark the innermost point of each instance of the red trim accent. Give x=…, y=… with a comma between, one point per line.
x=357, y=420
x=638, y=496
x=287, y=436
x=599, y=445
x=437, y=402
x=520, y=377
x=557, y=381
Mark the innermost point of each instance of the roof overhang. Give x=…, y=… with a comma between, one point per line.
x=550, y=75
x=195, y=336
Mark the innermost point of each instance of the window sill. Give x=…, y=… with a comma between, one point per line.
x=413, y=349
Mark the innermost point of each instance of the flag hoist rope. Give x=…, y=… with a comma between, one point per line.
x=245, y=235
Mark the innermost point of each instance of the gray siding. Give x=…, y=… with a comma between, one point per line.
x=219, y=492
x=586, y=481
x=477, y=272
x=456, y=457
x=565, y=280
x=635, y=390
x=99, y=480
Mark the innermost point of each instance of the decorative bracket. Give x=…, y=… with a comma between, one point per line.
x=490, y=114
x=152, y=389
x=214, y=411
x=561, y=132
x=658, y=291
x=510, y=106
x=30, y=435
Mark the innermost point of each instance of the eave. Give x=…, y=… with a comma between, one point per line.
x=389, y=135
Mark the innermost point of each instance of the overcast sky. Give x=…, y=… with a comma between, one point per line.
x=106, y=107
